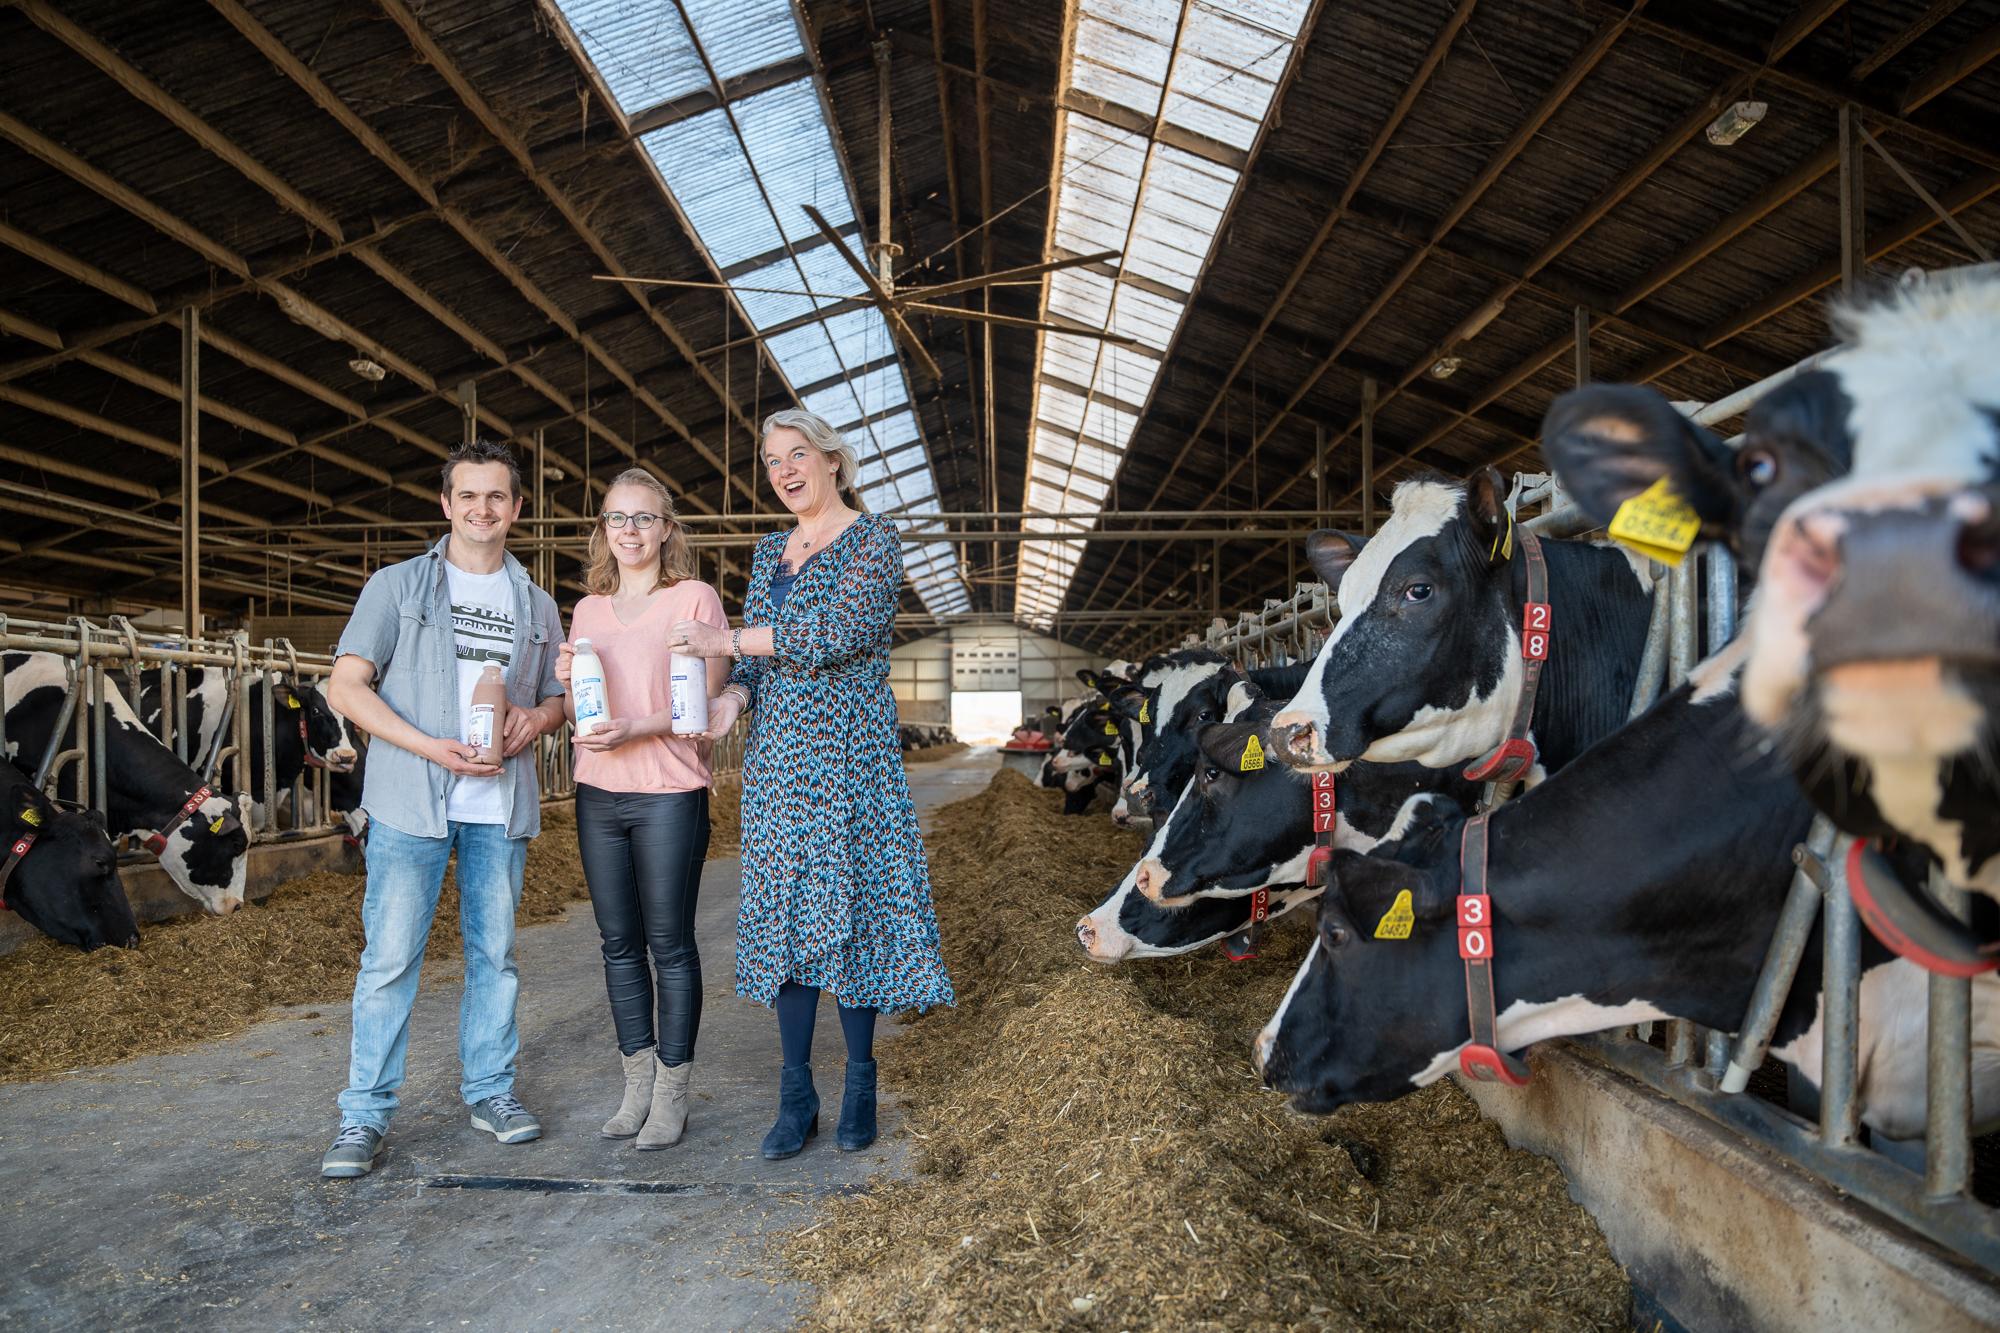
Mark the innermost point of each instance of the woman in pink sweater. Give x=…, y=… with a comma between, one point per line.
x=642, y=799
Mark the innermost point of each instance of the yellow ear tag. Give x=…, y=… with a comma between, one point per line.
x=1110, y=730
x=292, y=701
x=1399, y=920
x=216, y=827
x=1253, y=757
x=1103, y=760
x=1144, y=716
x=1656, y=523
x=31, y=817
x=1503, y=545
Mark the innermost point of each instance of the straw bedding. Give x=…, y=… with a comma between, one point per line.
x=201, y=977
x=1093, y=1150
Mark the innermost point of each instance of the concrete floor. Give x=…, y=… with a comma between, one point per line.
x=183, y=1189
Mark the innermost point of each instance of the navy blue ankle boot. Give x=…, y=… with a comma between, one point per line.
x=798, y=1114
x=857, y=1108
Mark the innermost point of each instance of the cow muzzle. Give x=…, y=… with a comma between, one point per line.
x=1151, y=879
x=1903, y=584
x=1102, y=946
x=1298, y=742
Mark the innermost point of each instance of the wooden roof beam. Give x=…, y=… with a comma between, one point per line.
x=1893, y=113
x=1896, y=42
x=503, y=135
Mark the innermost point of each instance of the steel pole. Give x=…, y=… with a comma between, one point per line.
x=1368, y=389
x=191, y=471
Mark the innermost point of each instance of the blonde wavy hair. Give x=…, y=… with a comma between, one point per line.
x=823, y=437
x=676, y=559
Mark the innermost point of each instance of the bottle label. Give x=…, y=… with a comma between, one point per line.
x=589, y=699
x=481, y=737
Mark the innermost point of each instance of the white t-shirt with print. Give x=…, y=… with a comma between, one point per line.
x=482, y=621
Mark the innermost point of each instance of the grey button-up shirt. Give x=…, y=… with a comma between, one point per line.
x=402, y=623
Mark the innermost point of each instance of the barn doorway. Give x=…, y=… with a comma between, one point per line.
x=985, y=717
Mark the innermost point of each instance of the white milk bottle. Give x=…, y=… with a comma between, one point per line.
x=586, y=686
x=690, y=690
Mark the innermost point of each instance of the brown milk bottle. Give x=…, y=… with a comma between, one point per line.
x=489, y=715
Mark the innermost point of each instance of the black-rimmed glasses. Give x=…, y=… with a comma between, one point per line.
x=614, y=519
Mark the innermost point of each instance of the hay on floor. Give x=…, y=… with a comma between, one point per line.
x=1094, y=1150
x=930, y=754
x=201, y=977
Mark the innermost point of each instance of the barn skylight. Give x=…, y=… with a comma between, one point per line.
x=731, y=111
x=1161, y=103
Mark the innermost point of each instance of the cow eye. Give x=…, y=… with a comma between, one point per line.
x=1205, y=715
x=1209, y=773
x=1417, y=592
x=1759, y=467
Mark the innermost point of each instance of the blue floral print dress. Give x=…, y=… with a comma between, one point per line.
x=836, y=891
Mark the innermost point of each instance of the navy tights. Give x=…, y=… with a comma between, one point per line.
x=798, y=1007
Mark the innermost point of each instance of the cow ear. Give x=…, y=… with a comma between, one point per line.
x=1611, y=442
x=1330, y=553
x=1486, y=511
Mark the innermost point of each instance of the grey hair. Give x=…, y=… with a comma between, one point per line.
x=823, y=437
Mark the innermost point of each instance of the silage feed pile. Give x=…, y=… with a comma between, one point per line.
x=200, y=977
x=1093, y=1149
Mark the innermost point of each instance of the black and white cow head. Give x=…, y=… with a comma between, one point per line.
x=1423, y=663
x=65, y=883
x=1181, y=692
x=1866, y=496
x=329, y=743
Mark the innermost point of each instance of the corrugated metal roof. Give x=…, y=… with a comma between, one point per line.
x=1191, y=64
x=742, y=172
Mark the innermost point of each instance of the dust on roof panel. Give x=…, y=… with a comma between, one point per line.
x=705, y=167
x=742, y=35
x=640, y=47
x=792, y=151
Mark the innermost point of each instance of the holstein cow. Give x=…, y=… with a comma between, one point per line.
x=1095, y=753
x=1866, y=493
x=343, y=797
x=1178, y=693
x=58, y=871
x=1425, y=664
x=1641, y=882
x=199, y=837
x=1243, y=826
x=309, y=733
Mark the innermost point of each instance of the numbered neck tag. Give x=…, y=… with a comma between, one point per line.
x=1323, y=803
x=1399, y=920
x=1475, y=926
x=1656, y=523
x=1253, y=756
x=1537, y=623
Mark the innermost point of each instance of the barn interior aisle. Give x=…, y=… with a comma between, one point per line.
x=180, y=1189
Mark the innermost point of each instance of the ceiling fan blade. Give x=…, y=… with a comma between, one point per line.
x=1008, y=321
x=861, y=270
x=1006, y=275
x=714, y=286
x=912, y=344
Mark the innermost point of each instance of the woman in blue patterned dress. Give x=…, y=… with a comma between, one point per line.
x=836, y=892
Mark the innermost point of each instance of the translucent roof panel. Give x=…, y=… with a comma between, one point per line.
x=1200, y=65
x=741, y=173
x=641, y=48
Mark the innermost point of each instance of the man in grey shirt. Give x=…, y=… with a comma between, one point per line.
x=421, y=634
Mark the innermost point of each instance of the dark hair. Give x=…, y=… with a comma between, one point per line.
x=481, y=451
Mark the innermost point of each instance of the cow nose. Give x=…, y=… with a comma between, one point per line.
x=1978, y=547
x=1086, y=935
x=1294, y=741
x=228, y=905
x=1152, y=879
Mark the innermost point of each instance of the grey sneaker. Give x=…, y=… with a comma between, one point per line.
x=505, y=1119
x=353, y=1153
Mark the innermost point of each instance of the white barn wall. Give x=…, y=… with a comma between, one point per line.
x=923, y=672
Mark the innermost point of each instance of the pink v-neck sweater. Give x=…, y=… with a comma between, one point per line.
x=637, y=684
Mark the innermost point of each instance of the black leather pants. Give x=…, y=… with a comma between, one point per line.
x=642, y=856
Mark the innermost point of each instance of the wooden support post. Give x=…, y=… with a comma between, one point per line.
x=1582, y=346
x=191, y=471
x=1367, y=456
x=468, y=411
x=1853, y=205
x=1319, y=472
x=545, y=558
x=885, y=246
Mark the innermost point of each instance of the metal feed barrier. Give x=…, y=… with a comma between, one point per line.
x=1926, y=1187
x=94, y=653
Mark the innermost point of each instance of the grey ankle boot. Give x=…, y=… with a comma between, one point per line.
x=668, y=1119
x=639, y=1067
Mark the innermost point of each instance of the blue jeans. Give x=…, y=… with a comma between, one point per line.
x=405, y=874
